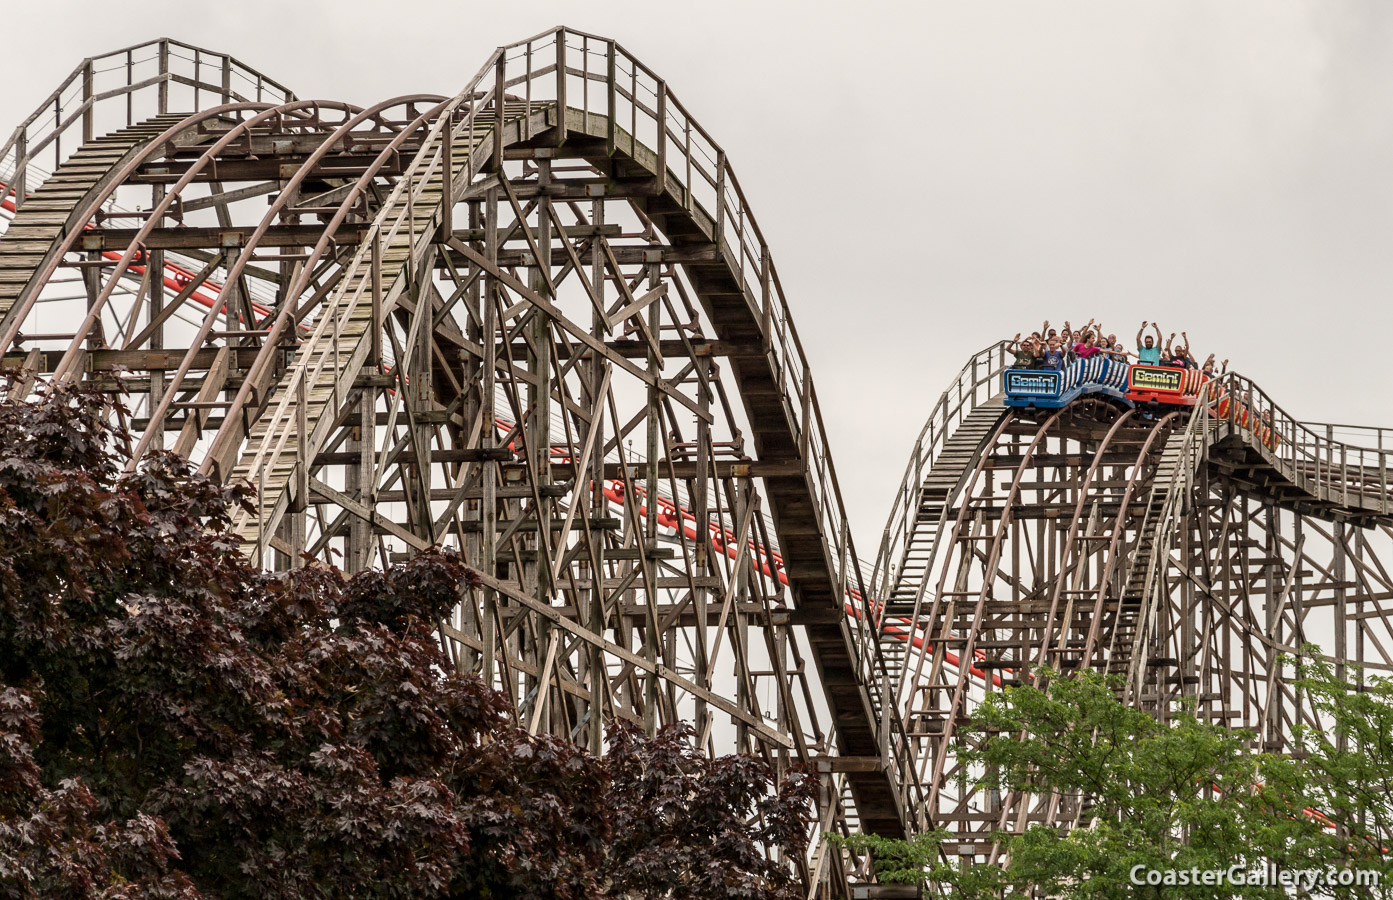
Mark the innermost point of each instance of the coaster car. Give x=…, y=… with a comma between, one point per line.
x=1054, y=388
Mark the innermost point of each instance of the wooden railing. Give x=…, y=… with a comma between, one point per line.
x=589, y=76
x=1322, y=460
x=117, y=90
x=1161, y=523
x=977, y=382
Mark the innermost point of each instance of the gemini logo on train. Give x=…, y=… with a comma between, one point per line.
x=1156, y=378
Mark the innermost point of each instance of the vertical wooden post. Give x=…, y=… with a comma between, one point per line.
x=612, y=96
x=155, y=304
x=720, y=197
x=560, y=86
x=1341, y=573
x=87, y=76
x=500, y=88
x=375, y=265
x=652, y=483
x=597, y=679
x=662, y=137
x=447, y=197
x=163, y=90
x=488, y=437
x=21, y=168
x=1271, y=528
x=357, y=477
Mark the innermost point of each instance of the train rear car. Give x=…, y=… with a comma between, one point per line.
x=1167, y=385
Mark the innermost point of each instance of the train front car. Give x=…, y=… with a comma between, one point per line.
x=1053, y=388
x=1040, y=388
x=1164, y=385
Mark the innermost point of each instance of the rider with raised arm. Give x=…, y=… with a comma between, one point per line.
x=1088, y=346
x=1073, y=340
x=1024, y=351
x=1149, y=350
x=1109, y=346
x=1167, y=357
x=1182, y=355
x=1114, y=351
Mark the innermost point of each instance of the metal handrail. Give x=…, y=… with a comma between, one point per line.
x=91, y=88
x=974, y=384
x=1308, y=454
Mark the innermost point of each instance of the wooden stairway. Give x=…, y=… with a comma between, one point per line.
x=950, y=470
x=1147, y=561
x=53, y=211
x=339, y=340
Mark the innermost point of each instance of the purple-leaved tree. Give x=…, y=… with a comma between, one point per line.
x=176, y=724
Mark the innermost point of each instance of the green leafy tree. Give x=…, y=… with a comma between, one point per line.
x=1350, y=762
x=1180, y=795
x=175, y=724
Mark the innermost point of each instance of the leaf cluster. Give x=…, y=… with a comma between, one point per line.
x=1174, y=794
x=177, y=724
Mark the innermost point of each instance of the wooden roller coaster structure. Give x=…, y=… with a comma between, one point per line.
x=536, y=321
x=1187, y=553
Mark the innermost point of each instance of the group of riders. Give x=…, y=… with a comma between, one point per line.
x=1049, y=348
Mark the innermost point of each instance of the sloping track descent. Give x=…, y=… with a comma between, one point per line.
x=534, y=320
x=1184, y=553
x=537, y=321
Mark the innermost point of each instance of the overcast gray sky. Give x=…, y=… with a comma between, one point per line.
x=933, y=176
